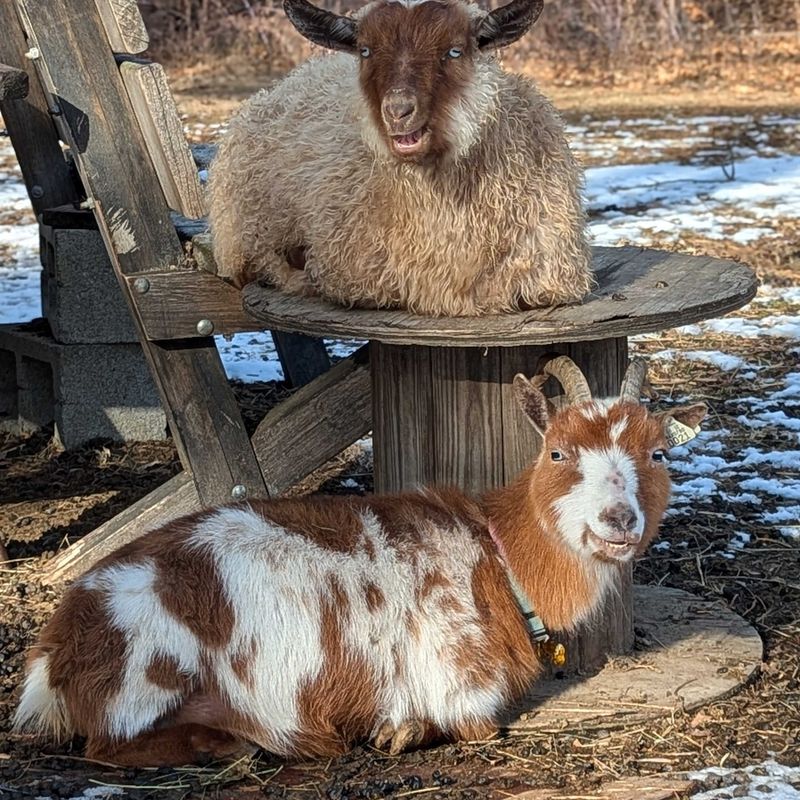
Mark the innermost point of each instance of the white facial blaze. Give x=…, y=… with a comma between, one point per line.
x=608, y=479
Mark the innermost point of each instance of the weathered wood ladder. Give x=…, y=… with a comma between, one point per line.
x=71, y=73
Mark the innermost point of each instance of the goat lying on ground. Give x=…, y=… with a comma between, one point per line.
x=408, y=171
x=307, y=625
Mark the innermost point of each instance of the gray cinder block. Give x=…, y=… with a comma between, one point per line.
x=81, y=297
x=90, y=391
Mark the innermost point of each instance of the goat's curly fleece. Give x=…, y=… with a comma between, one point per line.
x=499, y=225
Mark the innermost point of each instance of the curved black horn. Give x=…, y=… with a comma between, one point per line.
x=322, y=27
x=508, y=23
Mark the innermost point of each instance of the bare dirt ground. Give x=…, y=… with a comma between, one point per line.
x=50, y=498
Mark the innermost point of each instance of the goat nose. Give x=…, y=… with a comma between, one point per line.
x=398, y=106
x=621, y=519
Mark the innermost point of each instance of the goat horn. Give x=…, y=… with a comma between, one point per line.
x=568, y=374
x=508, y=23
x=633, y=382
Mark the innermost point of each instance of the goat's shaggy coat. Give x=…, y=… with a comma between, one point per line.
x=307, y=625
x=491, y=222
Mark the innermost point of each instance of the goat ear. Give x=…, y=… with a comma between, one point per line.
x=508, y=23
x=532, y=402
x=682, y=424
x=322, y=27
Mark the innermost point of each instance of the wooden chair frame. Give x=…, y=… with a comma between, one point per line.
x=72, y=74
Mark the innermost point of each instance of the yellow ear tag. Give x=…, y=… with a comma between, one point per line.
x=555, y=652
x=678, y=433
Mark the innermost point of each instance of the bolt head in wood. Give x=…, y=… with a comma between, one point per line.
x=239, y=492
x=205, y=327
x=33, y=53
x=141, y=285
x=37, y=192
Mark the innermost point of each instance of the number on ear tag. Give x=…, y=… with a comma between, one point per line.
x=678, y=433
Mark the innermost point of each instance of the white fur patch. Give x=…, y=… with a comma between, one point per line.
x=275, y=580
x=150, y=631
x=618, y=428
x=608, y=478
x=40, y=708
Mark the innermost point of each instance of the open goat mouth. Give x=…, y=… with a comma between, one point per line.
x=407, y=144
x=620, y=549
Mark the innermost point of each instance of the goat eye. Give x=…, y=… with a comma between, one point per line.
x=454, y=52
x=659, y=455
x=365, y=52
x=556, y=455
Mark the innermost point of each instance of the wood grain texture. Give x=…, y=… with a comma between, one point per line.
x=466, y=423
x=172, y=499
x=303, y=358
x=692, y=652
x=315, y=424
x=638, y=291
x=178, y=299
x=293, y=440
x=14, y=83
x=403, y=451
x=47, y=175
x=123, y=25
x=162, y=129
x=651, y=787
x=80, y=75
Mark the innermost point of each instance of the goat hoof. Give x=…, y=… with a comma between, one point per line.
x=384, y=735
x=405, y=736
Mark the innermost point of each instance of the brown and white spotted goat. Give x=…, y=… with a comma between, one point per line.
x=307, y=625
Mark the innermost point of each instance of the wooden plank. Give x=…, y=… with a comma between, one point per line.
x=466, y=418
x=172, y=499
x=163, y=133
x=316, y=423
x=14, y=83
x=402, y=429
x=77, y=68
x=692, y=653
x=649, y=787
x=215, y=444
x=303, y=358
x=175, y=301
x=123, y=25
x=47, y=176
x=638, y=291
x=294, y=439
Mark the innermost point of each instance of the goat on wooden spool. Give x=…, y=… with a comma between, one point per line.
x=306, y=625
x=408, y=171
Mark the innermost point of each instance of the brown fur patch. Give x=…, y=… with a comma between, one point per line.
x=333, y=525
x=337, y=708
x=408, y=51
x=375, y=598
x=164, y=671
x=432, y=581
x=506, y=646
x=86, y=657
x=242, y=664
x=172, y=745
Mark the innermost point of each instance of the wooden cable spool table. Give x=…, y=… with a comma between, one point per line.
x=443, y=410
